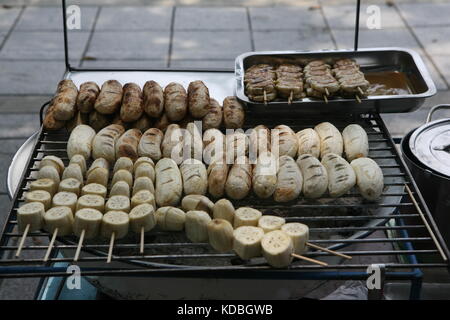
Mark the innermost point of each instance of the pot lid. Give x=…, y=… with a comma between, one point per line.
x=430, y=144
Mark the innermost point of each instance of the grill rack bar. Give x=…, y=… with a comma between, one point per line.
x=10, y=267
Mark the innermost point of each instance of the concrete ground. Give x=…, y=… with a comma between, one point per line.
x=192, y=33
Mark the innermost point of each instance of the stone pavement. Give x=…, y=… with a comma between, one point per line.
x=193, y=33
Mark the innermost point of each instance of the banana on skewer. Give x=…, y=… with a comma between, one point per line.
x=196, y=226
x=49, y=172
x=246, y=216
x=70, y=185
x=65, y=199
x=118, y=203
x=299, y=234
x=30, y=217
x=91, y=201
x=220, y=235
x=73, y=171
x=170, y=218
x=79, y=160
x=142, y=219
x=143, y=196
x=270, y=223
x=122, y=175
x=86, y=224
x=197, y=202
x=247, y=242
x=52, y=161
x=224, y=209
x=277, y=248
x=123, y=163
x=41, y=196
x=94, y=188
x=120, y=188
x=143, y=183
x=115, y=225
x=44, y=184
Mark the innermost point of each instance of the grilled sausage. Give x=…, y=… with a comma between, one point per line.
x=198, y=96
x=110, y=97
x=233, y=113
x=127, y=144
x=89, y=92
x=175, y=101
x=150, y=144
x=153, y=99
x=131, y=109
x=65, y=100
x=105, y=141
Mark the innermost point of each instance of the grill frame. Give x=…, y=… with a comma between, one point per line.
x=10, y=267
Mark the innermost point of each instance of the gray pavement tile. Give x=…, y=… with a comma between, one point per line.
x=19, y=103
x=210, y=64
x=376, y=38
x=2, y=37
x=7, y=17
x=435, y=40
x=220, y=45
x=425, y=14
x=141, y=64
x=134, y=18
x=443, y=63
x=10, y=146
x=18, y=125
x=43, y=45
x=343, y=16
x=50, y=18
x=292, y=40
x=5, y=160
x=282, y=18
x=30, y=77
x=18, y=289
x=195, y=18
x=435, y=74
x=124, y=45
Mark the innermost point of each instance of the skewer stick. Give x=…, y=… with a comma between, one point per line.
x=436, y=242
x=309, y=259
x=50, y=246
x=111, y=246
x=328, y=250
x=142, y=241
x=361, y=91
x=325, y=99
x=291, y=95
x=358, y=98
x=327, y=92
x=80, y=243
x=22, y=240
x=265, y=97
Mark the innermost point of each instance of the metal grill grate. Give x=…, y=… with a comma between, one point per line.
x=334, y=223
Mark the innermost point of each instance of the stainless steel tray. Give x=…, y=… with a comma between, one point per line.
x=371, y=60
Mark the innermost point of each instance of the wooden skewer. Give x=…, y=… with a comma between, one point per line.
x=265, y=97
x=290, y=97
x=80, y=243
x=111, y=246
x=142, y=240
x=309, y=259
x=22, y=240
x=325, y=98
x=50, y=246
x=358, y=98
x=327, y=92
x=361, y=91
x=436, y=242
x=328, y=250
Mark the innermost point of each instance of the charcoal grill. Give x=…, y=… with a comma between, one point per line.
x=395, y=214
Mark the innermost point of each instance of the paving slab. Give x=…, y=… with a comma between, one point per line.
x=134, y=18
x=8, y=16
x=5, y=161
x=435, y=40
x=10, y=146
x=220, y=45
x=22, y=104
x=50, y=18
x=208, y=64
x=18, y=125
x=197, y=18
x=425, y=14
x=343, y=16
x=30, y=77
x=2, y=37
x=43, y=45
x=286, y=18
x=292, y=40
x=140, y=64
x=123, y=45
x=443, y=63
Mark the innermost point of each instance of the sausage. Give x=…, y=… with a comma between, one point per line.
x=65, y=100
x=213, y=119
x=109, y=98
x=150, y=144
x=233, y=113
x=127, y=144
x=131, y=109
x=89, y=92
x=198, y=97
x=153, y=99
x=104, y=142
x=175, y=101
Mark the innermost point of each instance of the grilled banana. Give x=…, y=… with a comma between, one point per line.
x=142, y=160
x=220, y=235
x=277, y=248
x=145, y=170
x=308, y=142
x=49, y=172
x=143, y=196
x=89, y=220
x=369, y=178
x=94, y=188
x=195, y=178
x=270, y=223
x=73, y=171
x=142, y=216
x=98, y=163
x=31, y=214
x=356, y=142
x=116, y=222
x=91, y=201
x=224, y=209
x=265, y=175
x=98, y=175
x=341, y=176
x=143, y=183
x=315, y=176
x=170, y=218
x=52, y=161
x=44, y=184
x=197, y=202
x=289, y=180
x=123, y=163
x=122, y=175
x=70, y=185
x=247, y=242
x=299, y=234
x=61, y=218
x=120, y=188
x=330, y=139
x=196, y=226
x=65, y=199
x=246, y=216
x=41, y=196
x=79, y=160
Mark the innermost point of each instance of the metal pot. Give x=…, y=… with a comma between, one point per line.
x=426, y=151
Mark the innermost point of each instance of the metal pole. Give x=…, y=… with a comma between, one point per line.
x=66, y=47
x=358, y=8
